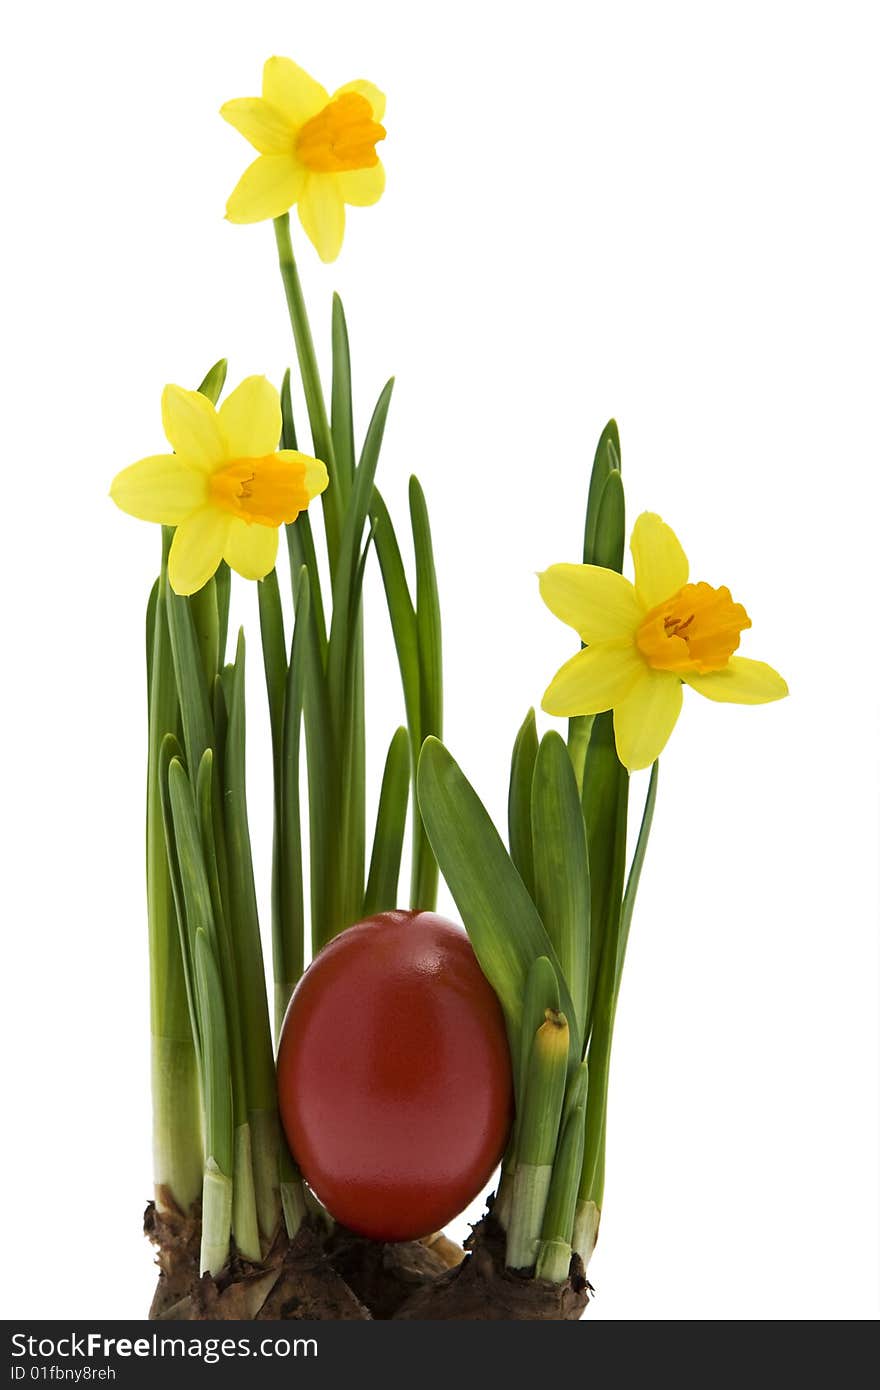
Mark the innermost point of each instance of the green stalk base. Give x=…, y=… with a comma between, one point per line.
x=586, y=1230
x=341, y=1276
x=177, y=1131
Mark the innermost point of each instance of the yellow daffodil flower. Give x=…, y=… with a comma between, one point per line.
x=315, y=150
x=226, y=488
x=645, y=640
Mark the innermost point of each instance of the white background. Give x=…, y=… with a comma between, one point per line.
x=664, y=212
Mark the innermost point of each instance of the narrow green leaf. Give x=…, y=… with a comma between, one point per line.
x=289, y=945
x=204, y=807
x=519, y=801
x=345, y=680
x=190, y=857
x=537, y=1138
x=301, y=551
x=215, y=1071
x=605, y=795
x=427, y=615
x=300, y=541
x=214, y=381
x=424, y=869
x=576, y=1090
x=275, y=669
x=603, y=545
x=288, y=427
x=169, y=751
x=211, y=829
x=382, y=884
x=244, y=921
x=221, y=722
x=223, y=583
x=544, y=1091
x=610, y=536
x=405, y=630
x=562, y=875
x=322, y=440
x=342, y=426
x=606, y=460
x=559, y=1212
x=206, y=622
x=152, y=605
x=323, y=774
x=192, y=689
x=244, y=1209
x=501, y=920
x=352, y=757
x=402, y=614
x=349, y=553
x=274, y=653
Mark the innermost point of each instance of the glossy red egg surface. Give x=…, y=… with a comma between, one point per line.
x=394, y=1075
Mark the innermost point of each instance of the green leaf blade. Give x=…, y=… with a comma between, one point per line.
x=562, y=875
x=501, y=920
x=382, y=883
x=519, y=801
x=341, y=418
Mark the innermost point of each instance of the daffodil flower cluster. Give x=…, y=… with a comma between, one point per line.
x=645, y=641
x=226, y=488
x=316, y=151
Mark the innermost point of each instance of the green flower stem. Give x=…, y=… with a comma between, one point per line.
x=177, y=1138
x=322, y=438
x=300, y=542
x=592, y=1183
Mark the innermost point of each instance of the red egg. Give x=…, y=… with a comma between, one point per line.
x=394, y=1077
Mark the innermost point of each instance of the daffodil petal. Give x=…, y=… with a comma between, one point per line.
x=316, y=476
x=362, y=187
x=250, y=419
x=290, y=89
x=251, y=550
x=661, y=564
x=160, y=488
x=267, y=128
x=322, y=214
x=368, y=90
x=742, y=682
x=266, y=189
x=191, y=428
x=594, y=680
x=646, y=718
x=197, y=549
x=598, y=603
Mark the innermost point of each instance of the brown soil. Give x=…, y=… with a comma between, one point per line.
x=344, y=1276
